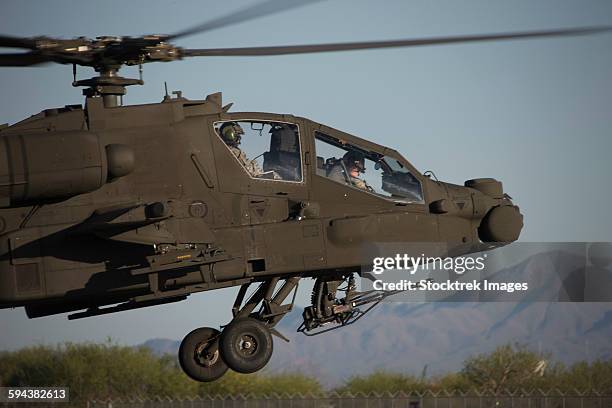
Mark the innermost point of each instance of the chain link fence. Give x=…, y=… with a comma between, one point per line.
x=427, y=399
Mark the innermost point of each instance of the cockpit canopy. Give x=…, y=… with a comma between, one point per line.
x=378, y=174
x=271, y=150
x=267, y=149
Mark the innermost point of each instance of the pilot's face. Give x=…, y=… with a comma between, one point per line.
x=354, y=171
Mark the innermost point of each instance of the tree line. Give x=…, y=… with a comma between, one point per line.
x=109, y=370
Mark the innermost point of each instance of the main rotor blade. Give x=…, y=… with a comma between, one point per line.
x=303, y=49
x=17, y=42
x=248, y=13
x=21, y=59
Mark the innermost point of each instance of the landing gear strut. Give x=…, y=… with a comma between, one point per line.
x=245, y=345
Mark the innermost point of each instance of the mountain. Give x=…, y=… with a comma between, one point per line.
x=159, y=347
x=404, y=336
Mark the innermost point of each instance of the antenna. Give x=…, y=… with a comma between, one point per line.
x=167, y=97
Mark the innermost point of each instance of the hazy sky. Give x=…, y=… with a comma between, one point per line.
x=534, y=114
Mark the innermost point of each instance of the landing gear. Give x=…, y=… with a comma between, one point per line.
x=199, y=355
x=245, y=345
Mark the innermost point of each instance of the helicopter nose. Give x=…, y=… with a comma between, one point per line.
x=503, y=221
x=501, y=224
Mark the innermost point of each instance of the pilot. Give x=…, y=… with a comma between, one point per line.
x=231, y=133
x=349, y=169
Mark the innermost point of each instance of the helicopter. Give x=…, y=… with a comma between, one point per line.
x=108, y=207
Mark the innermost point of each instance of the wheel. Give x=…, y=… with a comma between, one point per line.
x=199, y=355
x=246, y=345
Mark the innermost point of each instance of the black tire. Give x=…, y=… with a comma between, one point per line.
x=246, y=345
x=199, y=355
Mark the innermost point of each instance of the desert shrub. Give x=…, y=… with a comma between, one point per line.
x=382, y=381
x=95, y=371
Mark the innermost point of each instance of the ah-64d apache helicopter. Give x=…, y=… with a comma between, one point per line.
x=106, y=208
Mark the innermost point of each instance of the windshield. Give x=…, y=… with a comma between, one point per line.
x=266, y=149
x=365, y=170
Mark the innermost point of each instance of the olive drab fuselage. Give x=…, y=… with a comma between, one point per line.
x=147, y=204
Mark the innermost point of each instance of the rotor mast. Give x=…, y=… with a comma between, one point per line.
x=108, y=85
